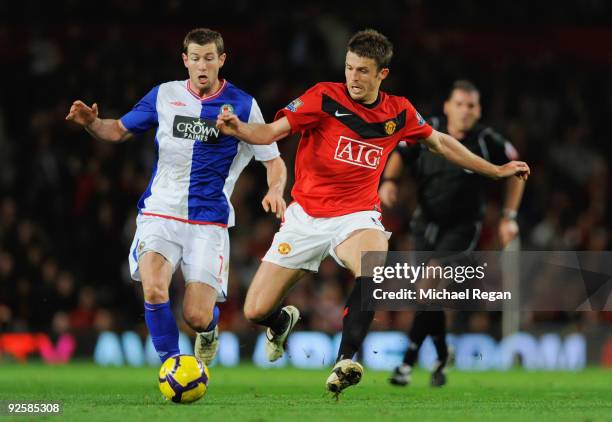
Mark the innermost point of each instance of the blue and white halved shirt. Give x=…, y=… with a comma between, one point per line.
x=197, y=166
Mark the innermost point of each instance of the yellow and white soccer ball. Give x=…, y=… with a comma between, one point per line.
x=183, y=379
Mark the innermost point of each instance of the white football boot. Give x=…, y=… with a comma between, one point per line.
x=206, y=345
x=345, y=373
x=275, y=343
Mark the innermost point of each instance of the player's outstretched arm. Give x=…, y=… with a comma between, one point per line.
x=109, y=130
x=277, y=179
x=253, y=133
x=452, y=150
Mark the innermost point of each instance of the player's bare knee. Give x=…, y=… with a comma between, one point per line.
x=155, y=290
x=156, y=295
x=250, y=314
x=197, y=319
x=254, y=313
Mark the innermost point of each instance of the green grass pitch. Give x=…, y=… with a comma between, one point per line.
x=91, y=393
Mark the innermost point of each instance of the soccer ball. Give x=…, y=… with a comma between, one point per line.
x=183, y=379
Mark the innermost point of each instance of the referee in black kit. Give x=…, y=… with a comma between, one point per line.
x=451, y=204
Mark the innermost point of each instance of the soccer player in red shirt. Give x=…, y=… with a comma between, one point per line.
x=348, y=131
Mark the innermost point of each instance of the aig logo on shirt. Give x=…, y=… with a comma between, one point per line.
x=195, y=129
x=358, y=153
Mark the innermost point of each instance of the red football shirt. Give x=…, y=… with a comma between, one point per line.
x=344, y=147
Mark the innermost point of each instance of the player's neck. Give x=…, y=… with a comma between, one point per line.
x=214, y=88
x=371, y=102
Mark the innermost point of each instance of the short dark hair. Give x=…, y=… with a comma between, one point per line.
x=372, y=44
x=203, y=36
x=463, y=85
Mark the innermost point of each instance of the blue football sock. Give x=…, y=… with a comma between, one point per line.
x=215, y=320
x=163, y=329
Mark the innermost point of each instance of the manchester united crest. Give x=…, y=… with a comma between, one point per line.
x=390, y=127
x=284, y=248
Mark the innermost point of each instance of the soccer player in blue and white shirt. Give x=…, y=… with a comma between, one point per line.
x=185, y=212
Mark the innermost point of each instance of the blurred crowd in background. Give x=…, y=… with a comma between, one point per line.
x=68, y=203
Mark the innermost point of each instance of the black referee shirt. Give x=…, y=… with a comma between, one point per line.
x=449, y=194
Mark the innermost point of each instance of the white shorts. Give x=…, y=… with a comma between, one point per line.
x=304, y=241
x=202, y=250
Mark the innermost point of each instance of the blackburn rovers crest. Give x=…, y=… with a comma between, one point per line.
x=226, y=108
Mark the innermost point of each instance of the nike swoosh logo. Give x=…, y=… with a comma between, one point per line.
x=338, y=114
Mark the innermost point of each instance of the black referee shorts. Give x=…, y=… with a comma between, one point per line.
x=446, y=242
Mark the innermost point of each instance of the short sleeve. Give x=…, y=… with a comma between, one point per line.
x=255, y=115
x=144, y=114
x=261, y=152
x=499, y=148
x=265, y=152
x=304, y=112
x=416, y=127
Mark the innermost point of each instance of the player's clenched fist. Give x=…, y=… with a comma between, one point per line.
x=387, y=193
x=228, y=123
x=82, y=114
